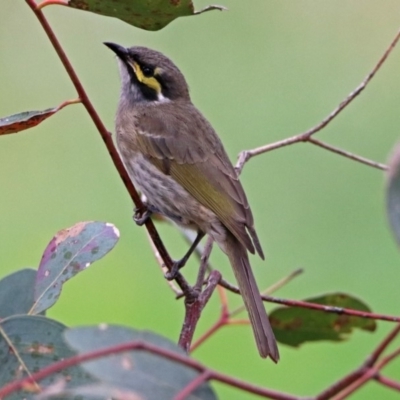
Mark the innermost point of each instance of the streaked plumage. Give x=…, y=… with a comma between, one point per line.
x=176, y=159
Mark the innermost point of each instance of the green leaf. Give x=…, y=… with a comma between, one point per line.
x=295, y=326
x=393, y=193
x=149, y=375
x=25, y=120
x=16, y=293
x=70, y=251
x=32, y=343
x=150, y=15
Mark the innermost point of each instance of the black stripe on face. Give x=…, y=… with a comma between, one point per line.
x=148, y=93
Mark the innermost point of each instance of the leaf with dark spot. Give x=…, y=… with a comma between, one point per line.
x=70, y=251
x=37, y=342
x=294, y=325
x=150, y=15
x=28, y=119
x=151, y=376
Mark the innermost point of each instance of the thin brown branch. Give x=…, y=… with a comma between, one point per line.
x=372, y=359
x=340, y=385
x=332, y=309
x=178, y=292
x=222, y=321
x=246, y=155
x=46, y=3
x=314, y=306
x=193, y=385
x=370, y=373
x=390, y=383
x=347, y=154
x=364, y=371
x=14, y=386
x=248, y=387
x=68, y=103
x=193, y=307
x=204, y=263
x=108, y=141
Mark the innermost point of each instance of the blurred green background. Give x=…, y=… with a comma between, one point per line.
x=260, y=72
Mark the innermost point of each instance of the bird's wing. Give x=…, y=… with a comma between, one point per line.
x=182, y=144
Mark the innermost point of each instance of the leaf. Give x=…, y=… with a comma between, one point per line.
x=37, y=342
x=149, y=375
x=16, y=293
x=29, y=119
x=70, y=251
x=150, y=15
x=294, y=325
x=393, y=193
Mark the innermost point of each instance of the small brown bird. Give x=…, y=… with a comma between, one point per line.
x=176, y=159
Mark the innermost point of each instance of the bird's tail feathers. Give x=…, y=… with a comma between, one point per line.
x=263, y=333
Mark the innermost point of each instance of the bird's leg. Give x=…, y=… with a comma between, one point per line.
x=181, y=263
x=141, y=215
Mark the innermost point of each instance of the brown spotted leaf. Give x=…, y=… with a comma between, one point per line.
x=25, y=120
x=30, y=343
x=295, y=326
x=70, y=251
x=150, y=15
x=149, y=375
x=28, y=119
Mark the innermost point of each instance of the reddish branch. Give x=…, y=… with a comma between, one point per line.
x=206, y=373
x=108, y=141
x=317, y=307
x=364, y=372
x=390, y=383
x=193, y=308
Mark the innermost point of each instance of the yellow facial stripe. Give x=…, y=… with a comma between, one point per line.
x=151, y=82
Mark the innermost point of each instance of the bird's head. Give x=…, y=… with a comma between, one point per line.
x=148, y=75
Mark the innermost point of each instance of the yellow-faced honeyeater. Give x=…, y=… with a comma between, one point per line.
x=176, y=159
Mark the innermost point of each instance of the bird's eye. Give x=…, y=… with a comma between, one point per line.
x=147, y=71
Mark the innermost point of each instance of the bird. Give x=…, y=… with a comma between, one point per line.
x=177, y=161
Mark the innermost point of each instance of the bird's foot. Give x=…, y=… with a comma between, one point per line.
x=141, y=215
x=176, y=266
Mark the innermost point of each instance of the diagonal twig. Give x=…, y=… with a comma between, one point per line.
x=107, y=139
x=315, y=306
x=246, y=155
x=347, y=154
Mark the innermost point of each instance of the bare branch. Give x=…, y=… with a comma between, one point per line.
x=108, y=141
x=390, y=383
x=245, y=155
x=204, y=263
x=46, y=3
x=314, y=306
x=143, y=346
x=365, y=372
x=371, y=360
x=347, y=154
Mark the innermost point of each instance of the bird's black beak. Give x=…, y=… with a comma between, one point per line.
x=120, y=51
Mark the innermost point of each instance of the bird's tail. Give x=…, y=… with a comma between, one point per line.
x=263, y=333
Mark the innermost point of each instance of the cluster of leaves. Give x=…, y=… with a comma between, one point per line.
x=31, y=342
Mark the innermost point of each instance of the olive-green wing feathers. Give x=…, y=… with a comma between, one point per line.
x=183, y=144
